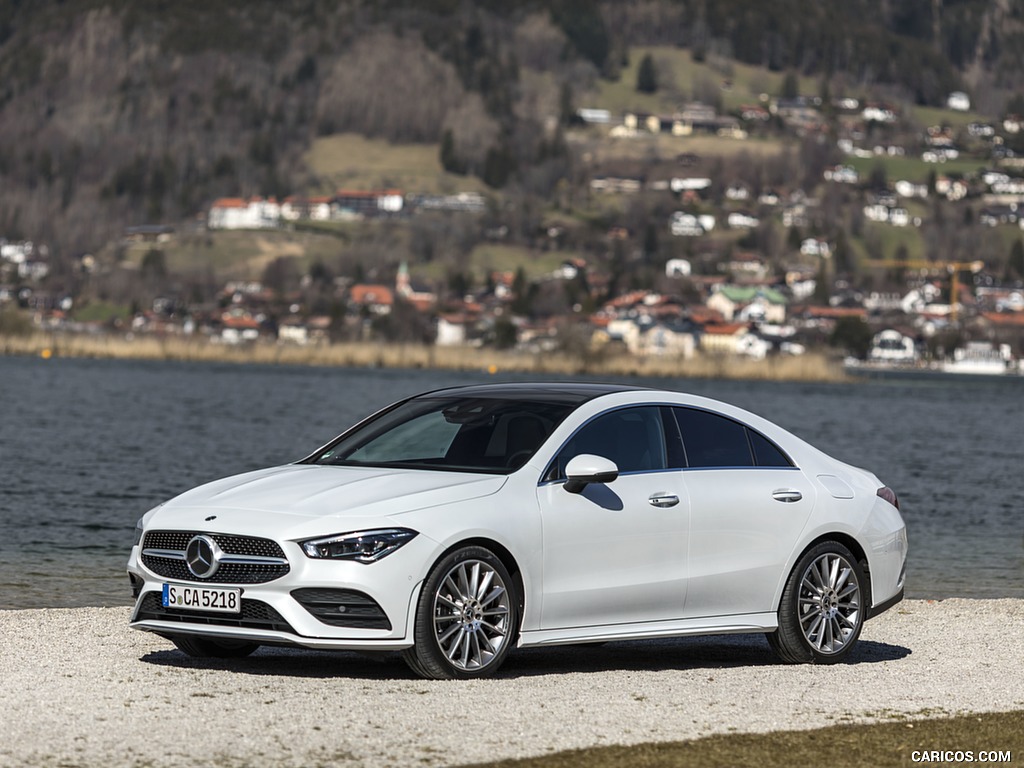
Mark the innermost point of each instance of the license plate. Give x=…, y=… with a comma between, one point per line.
x=219, y=599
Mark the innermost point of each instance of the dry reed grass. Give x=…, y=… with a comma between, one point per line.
x=810, y=367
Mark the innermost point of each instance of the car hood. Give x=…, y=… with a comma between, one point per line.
x=318, y=491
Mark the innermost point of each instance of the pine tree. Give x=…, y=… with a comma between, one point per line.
x=1016, y=263
x=646, y=76
x=449, y=160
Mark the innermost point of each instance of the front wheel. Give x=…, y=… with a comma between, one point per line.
x=466, y=619
x=207, y=648
x=822, y=608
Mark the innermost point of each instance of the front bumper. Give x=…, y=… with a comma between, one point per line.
x=339, y=605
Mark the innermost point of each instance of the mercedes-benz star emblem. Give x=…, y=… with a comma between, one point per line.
x=203, y=556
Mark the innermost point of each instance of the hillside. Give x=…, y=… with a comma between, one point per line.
x=548, y=157
x=115, y=113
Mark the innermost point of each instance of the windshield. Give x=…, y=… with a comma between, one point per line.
x=463, y=434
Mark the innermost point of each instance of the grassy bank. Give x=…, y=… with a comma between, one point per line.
x=850, y=746
x=364, y=354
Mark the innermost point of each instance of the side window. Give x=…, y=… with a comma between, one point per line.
x=711, y=440
x=766, y=453
x=632, y=437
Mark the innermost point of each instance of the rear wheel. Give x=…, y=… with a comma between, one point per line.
x=823, y=607
x=208, y=648
x=467, y=617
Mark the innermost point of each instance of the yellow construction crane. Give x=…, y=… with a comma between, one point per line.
x=954, y=268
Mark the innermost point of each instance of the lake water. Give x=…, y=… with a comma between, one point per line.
x=86, y=447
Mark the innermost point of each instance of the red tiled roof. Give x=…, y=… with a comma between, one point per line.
x=229, y=202
x=372, y=294
x=1004, y=318
x=725, y=329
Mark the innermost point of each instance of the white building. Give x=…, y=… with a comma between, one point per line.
x=959, y=101
x=678, y=268
x=237, y=213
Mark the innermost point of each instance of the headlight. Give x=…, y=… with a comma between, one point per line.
x=361, y=546
x=138, y=533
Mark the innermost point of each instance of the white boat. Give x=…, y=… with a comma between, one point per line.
x=981, y=357
x=892, y=348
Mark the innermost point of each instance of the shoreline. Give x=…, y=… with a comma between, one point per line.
x=811, y=367
x=88, y=691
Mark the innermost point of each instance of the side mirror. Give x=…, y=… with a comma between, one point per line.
x=587, y=468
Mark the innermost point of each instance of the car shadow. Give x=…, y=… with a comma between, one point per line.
x=712, y=652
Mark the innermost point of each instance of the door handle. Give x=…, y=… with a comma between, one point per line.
x=663, y=500
x=787, y=496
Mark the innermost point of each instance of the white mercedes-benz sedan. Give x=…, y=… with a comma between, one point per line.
x=458, y=524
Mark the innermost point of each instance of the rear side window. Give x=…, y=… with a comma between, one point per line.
x=767, y=453
x=713, y=441
x=710, y=440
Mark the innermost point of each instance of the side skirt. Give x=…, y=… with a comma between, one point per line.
x=708, y=625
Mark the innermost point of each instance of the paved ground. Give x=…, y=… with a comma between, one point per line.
x=77, y=687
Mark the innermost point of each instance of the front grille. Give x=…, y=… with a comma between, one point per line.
x=254, y=615
x=342, y=608
x=232, y=545
x=228, y=573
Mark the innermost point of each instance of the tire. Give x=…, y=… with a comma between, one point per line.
x=206, y=648
x=823, y=607
x=467, y=617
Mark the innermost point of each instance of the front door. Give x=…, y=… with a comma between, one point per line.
x=615, y=553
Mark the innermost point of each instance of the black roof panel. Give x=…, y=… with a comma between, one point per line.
x=576, y=392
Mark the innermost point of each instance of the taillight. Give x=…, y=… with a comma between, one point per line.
x=887, y=493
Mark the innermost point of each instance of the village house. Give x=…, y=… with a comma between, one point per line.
x=842, y=174
x=690, y=225
x=238, y=326
x=368, y=203
x=815, y=246
x=312, y=208
x=454, y=329
x=741, y=220
x=678, y=268
x=732, y=339
x=239, y=213
x=959, y=101
x=669, y=339
x=374, y=298
x=748, y=303
x=746, y=267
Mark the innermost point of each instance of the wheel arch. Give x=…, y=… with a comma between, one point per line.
x=847, y=541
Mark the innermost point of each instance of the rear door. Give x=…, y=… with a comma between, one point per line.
x=748, y=505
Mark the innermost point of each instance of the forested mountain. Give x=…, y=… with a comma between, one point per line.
x=122, y=112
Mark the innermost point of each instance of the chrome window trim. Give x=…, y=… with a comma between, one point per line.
x=755, y=468
x=661, y=404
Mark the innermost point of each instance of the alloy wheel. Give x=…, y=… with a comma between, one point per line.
x=471, y=615
x=830, y=603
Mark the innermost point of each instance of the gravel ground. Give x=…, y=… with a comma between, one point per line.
x=77, y=687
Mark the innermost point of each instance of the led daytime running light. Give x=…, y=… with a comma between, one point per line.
x=361, y=546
